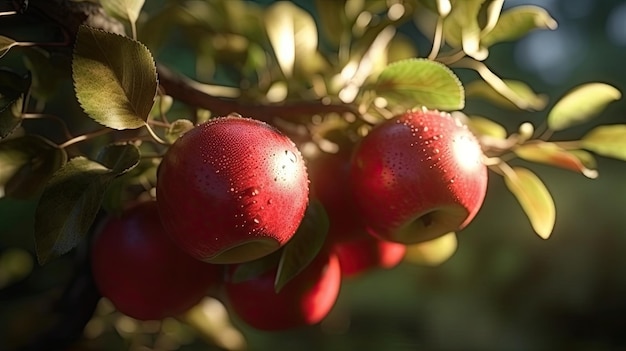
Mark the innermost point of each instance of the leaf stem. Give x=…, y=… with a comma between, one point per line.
x=84, y=137
x=155, y=136
x=492, y=79
x=61, y=122
x=437, y=39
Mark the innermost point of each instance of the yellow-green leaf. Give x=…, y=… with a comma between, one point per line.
x=581, y=104
x=534, y=198
x=419, y=82
x=520, y=90
x=123, y=9
x=516, y=22
x=292, y=33
x=461, y=27
x=6, y=44
x=433, y=252
x=608, y=140
x=551, y=154
x=484, y=126
x=114, y=78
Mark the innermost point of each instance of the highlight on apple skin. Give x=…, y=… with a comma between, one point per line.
x=142, y=272
x=303, y=301
x=418, y=176
x=232, y=190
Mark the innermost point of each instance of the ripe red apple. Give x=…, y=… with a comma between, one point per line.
x=418, y=176
x=330, y=185
x=303, y=301
x=367, y=253
x=144, y=274
x=232, y=190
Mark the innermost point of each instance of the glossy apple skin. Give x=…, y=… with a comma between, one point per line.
x=232, y=190
x=330, y=185
x=144, y=274
x=418, y=176
x=304, y=301
x=367, y=253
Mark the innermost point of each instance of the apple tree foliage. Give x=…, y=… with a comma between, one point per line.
x=320, y=75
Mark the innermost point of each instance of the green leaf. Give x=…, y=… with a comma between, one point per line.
x=482, y=126
x=551, y=154
x=581, y=104
x=461, y=28
x=292, y=33
x=114, y=78
x=6, y=44
x=304, y=246
x=26, y=164
x=68, y=206
x=178, y=128
x=332, y=18
x=13, y=88
x=250, y=270
x=516, y=22
x=419, y=82
x=120, y=158
x=433, y=252
x=123, y=9
x=534, y=198
x=608, y=140
x=520, y=90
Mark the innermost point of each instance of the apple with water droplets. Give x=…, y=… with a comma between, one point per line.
x=144, y=274
x=232, y=190
x=418, y=176
x=304, y=300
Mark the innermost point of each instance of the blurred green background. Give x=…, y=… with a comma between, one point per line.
x=505, y=288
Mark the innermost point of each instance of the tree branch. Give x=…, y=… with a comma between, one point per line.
x=181, y=88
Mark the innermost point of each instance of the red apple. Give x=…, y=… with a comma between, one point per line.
x=144, y=274
x=232, y=190
x=367, y=253
x=303, y=301
x=418, y=176
x=330, y=185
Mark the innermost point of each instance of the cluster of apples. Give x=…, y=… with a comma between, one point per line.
x=235, y=189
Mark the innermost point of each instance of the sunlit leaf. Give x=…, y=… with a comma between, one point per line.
x=461, y=28
x=6, y=44
x=178, y=128
x=304, y=246
x=516, y=22
x=607, y=140
x=534, y=198
x=419, y=82
x=292, y=33
x=532, y=100
x=551, y=154
x=581, y=104
x=26, y=164
x=68, y=206
x=485, y=126
x=433, y=252
x=162, y=105
x=120, y=158
x=123, y=9
x=114, y=78
x=211, y=320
